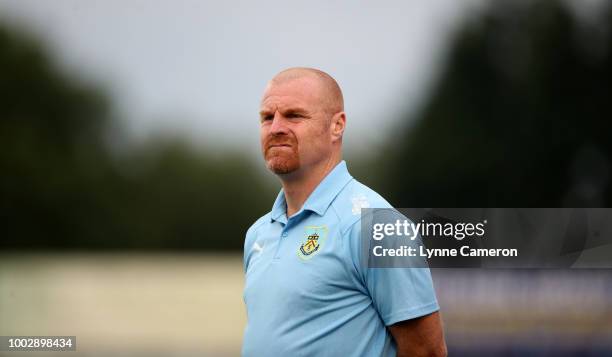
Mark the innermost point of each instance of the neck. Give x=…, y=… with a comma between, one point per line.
x=299, y=185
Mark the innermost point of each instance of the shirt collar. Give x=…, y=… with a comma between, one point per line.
x=320, y=199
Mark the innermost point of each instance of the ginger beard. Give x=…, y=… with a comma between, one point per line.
x=281, y=154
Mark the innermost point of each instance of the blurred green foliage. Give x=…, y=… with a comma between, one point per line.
x=520, y=117
x=61, y=188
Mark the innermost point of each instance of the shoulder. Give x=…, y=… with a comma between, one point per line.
x=252, y=231
x=349, y=202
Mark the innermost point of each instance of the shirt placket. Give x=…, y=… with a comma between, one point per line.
x=285, y=234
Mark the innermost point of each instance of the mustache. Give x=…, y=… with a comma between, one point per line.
x=279, y=140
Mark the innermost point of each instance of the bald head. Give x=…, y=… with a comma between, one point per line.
x=329, y=91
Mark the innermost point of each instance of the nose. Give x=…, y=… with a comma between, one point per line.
x=278, y=126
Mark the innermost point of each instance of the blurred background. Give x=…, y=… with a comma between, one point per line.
x=130, y=166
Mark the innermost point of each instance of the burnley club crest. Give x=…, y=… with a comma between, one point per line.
x=313, y=241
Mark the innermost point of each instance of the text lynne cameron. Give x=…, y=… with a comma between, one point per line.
x=464, y=251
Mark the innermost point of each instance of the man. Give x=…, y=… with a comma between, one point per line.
x=306, y=291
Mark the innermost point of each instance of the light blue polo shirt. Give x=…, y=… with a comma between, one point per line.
x=306, y=291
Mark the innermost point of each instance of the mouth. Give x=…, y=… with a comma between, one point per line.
x=279, y=146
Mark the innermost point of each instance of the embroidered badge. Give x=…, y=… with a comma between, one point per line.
x=314, y=240
x=359, y=202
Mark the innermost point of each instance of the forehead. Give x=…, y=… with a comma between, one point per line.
x=302, y=92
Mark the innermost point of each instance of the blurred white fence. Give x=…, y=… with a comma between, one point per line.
x=188, y=305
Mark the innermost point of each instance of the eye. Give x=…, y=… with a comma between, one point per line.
x=267, y=117
x=295, y=115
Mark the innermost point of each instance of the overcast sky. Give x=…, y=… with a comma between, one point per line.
x=199, y=67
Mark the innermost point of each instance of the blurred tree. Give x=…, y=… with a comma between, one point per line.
x=177, y=198
x=61, y=189
x=50, y=130
x=520, y=116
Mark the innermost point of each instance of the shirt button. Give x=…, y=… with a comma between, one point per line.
x=284, y=234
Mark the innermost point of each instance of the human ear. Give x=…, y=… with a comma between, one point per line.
x=338, y=124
